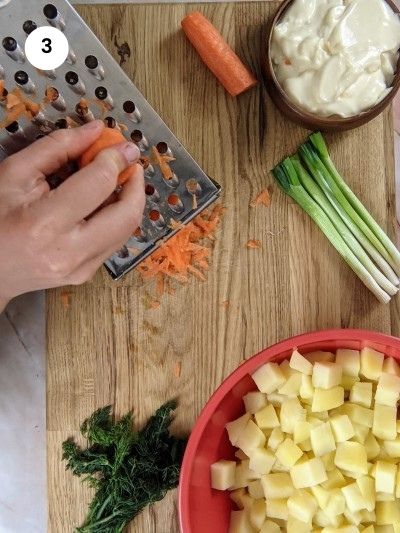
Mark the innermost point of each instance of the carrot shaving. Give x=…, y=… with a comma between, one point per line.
x=194, y=202
x=263, y=198
x=163, y=162
x=177, y=370
x=154, y=304
x=18, y=106
x=225, y=304
x=184, y=255
x=65, y=299
x=253, y=244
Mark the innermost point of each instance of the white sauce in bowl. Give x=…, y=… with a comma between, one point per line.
x=336, y=57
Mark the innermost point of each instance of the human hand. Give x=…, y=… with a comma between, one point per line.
x=46, y=237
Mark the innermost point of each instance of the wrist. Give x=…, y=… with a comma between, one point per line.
x=3, y=303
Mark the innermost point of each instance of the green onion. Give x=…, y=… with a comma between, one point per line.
x=286, y=176
x=317, y=194
x=319, y=144
x=339, y=201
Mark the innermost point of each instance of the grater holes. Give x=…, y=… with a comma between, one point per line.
x=83, y=111
x=110, y=122
x=139, y=235
x=94, y=67
x=156, y=218
x=61, y=124
x=74, y=82
x=131, y=110
x=53, y=96
x=23, y=80
x=163, y=149
x=151, y=192
x=53, y=16
x=104, y=96
x=123, y=252
x=13, y=127
x=175, y=203
x=29, y=26
x=193, y=187
x=139, y=139
x=9, y=44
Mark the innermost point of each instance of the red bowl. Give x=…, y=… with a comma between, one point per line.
x=202, y=509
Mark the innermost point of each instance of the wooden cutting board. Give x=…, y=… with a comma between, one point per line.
x=108, y=347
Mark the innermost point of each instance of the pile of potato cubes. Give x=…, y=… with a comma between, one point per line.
x=318, y=448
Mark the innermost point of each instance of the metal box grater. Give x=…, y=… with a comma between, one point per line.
x=97, y=77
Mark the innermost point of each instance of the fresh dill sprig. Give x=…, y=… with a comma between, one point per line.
x=129, y=469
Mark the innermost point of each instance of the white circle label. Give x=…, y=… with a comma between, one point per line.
x=46, y=48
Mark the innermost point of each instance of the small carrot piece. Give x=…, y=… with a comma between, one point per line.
x=177, y=370
x=253, y=244
x=109, y=137
x=263, y=198
x=217, y=54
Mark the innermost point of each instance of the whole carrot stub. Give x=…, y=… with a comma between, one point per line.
x=109, y=137
x=217, y=54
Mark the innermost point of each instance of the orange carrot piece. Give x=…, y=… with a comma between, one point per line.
x=162, y=161
x=263, y=198
x=253, y=244
x=65, y=298
x=217, y=54
x=109, y=137
x=177, y=370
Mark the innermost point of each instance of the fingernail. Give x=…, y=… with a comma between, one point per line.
x=129, y=150
x=93, y=125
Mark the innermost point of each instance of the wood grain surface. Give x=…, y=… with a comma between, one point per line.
x=108, y=347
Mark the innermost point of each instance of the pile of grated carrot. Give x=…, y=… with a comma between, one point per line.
x=185, y=254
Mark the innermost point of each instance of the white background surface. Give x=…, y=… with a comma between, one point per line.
x=22, y=406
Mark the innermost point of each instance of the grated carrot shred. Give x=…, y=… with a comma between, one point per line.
x=263, y=198
x=184, y=255
x=253, y=244
x=163, y=162
x=65, y=298
x=177, y=370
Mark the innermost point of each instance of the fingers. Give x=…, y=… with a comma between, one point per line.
x=111, y=227
x=82, y=193
x=50, y=153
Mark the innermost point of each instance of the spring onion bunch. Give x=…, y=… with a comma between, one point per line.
x=312, y=180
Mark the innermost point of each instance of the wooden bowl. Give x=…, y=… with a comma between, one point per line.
x=308, y=120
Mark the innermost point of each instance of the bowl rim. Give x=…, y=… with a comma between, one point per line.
x=242, y=370
x=333, y=120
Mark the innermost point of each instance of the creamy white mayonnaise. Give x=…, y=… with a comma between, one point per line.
x=336, y=57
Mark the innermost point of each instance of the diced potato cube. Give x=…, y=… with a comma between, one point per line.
x=258, y=513
x=254, y=401
x=371, y=363
x=369, y=529
x=358, y=414
x=342, y=428
x=336, y=504
x=335, y=480
x=292, y=385
x=398, y=483
x=388, y=390
x=343, y=529
x=288, y=453
x=322, y=415
x=398, y=426
x=302, y=506
x=387, y=513
x=266, y=418
x=305, y=445
x=251, y=437
x=276, y=399
x=320, y=356
x=352, y=518
x=322, y=440
x=371, y=446
x=256, y=490
x=384, y=426
x=270, y=527
x=276, y=438
x=323, y=520
x=368, y=516
x=321, y=495
x=301, y=431
x=240, y=523
x=241, y=498
x=223, y=474
x=360, y=433
x=366, y=484
x=261, y=461
x=306, y=388
x=361, y=393
x=268, y=377
x=291, y=413
x=391, y=366
x=329, y=461
x=297, y=526
x=277, y=486
x=236, y=428
x=385, y=477
x=286, y=370
x=308, y=474
x=277, y=509
x=351, y=456
x=354, y=499
x=243, y=475
x=326, y=375
x=349, y=360
x=348, y=382
x=385, y=497
x=279, y=467
x=300, y=363
x=392, y=447
x=324, y=400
